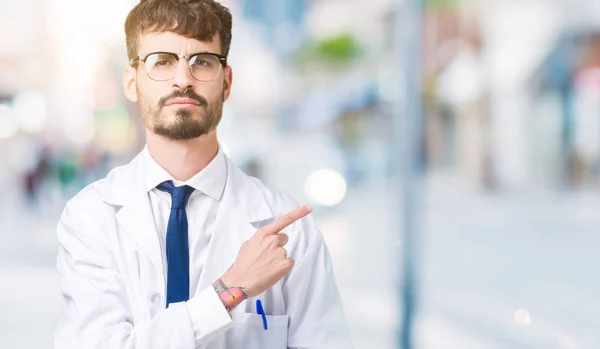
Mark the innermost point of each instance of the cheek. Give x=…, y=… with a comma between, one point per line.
x=214, y=92
x=147, y=95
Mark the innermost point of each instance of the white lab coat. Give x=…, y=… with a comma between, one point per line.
x=113, y=284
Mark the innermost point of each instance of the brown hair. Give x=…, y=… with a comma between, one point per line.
x=197, y=19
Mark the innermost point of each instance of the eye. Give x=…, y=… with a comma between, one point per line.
x=202, y=62
x=162, y=62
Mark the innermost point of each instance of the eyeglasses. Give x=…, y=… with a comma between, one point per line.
x=161, y=66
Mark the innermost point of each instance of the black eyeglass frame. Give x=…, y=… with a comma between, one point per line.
x=143, y=58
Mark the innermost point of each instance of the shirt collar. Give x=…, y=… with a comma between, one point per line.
x=211, y=180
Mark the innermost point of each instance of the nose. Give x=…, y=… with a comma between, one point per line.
x=183, y=78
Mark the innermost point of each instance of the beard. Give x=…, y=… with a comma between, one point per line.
x=188, y=123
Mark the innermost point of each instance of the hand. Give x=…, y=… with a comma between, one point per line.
x=262, y=260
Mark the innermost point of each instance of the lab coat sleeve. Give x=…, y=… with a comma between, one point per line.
x=207, y=328
x=96, y=310
x=312, y=299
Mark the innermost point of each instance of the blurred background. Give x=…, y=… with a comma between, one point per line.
x=488, y=240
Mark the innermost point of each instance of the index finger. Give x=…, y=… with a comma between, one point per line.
x=279, y=224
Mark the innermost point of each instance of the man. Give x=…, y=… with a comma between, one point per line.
x=174, y=249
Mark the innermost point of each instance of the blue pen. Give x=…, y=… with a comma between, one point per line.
x=261, y=311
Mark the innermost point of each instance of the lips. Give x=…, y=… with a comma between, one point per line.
x=185, y=101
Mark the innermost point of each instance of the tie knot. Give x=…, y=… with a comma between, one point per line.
x=179, y=195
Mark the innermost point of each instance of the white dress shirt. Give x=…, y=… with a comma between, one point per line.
x=201, y=211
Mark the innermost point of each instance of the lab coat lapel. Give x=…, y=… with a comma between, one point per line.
x=242, y=210
x=135, y=217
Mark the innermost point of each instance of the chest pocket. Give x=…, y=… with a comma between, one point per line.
x=250, y=333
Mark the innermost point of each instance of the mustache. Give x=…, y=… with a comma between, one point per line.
x=183, y=94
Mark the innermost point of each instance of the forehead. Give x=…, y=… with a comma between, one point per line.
x=172, y=42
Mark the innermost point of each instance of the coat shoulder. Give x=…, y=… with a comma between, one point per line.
x=94, y=196
x=279, y=202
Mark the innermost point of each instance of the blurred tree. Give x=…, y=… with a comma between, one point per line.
x=337, y=49
x=442, y=4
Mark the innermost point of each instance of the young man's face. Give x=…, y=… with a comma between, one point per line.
x=182, y=107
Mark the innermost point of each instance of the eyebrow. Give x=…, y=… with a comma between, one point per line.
x=177, y=54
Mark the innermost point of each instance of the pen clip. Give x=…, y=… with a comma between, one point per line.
x=261, y=311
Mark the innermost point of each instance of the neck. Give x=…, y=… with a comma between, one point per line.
x=182, y=159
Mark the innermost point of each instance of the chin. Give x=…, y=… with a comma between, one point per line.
x=182, y=129
x=186, y=114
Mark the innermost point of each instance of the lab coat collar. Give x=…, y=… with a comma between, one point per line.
x=125, y=184
x=242, y=201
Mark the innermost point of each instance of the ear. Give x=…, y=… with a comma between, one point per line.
x=129, y=80
x=228, y=73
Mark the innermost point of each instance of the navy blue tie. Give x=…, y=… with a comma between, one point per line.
x=178, y=259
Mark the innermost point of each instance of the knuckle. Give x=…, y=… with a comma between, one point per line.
x=283, y=253
x=288, y=263
x=272, y=241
